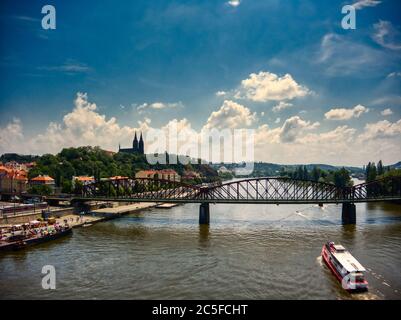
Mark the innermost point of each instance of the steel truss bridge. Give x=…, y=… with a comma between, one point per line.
x=269, y=190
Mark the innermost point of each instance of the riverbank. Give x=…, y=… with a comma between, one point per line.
x=104, y=214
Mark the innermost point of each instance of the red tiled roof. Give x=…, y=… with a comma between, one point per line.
x=42, y=178
x=148, y=171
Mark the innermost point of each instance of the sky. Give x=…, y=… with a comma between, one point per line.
x=312, y=91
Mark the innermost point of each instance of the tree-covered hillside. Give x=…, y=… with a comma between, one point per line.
x=93, y=161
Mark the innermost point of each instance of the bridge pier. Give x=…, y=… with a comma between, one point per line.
x=348, y=213
x=204, y=213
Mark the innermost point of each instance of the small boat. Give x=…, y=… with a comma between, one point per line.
x=348, y=271
x=20, y=241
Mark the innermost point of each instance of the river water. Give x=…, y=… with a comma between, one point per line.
x=248, y=252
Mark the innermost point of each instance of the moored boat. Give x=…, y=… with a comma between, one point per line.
x=21, y=240
x=348, y=271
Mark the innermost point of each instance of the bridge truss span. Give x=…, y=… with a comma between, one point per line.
x=141, y=189
x=275, y=190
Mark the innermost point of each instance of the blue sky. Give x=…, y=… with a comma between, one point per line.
x=150, y=62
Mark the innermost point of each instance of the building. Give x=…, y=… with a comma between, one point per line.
x=138, y=147
x=85, y=180
x=43, y=180
x=166, y=174
x=151, y=174
x=169, y=174
x=190, y=175
x=13, y=181
x=223, y=170
x=117, y=178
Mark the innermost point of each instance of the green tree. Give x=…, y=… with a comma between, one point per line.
x=380, y=168
x=43, y=190
x=78, y=187
x=342, y=178
x=315, y=174
x=66, y=186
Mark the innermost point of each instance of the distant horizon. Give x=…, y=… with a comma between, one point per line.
x=225, y=163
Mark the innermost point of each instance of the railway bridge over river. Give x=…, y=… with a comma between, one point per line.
x=267, y=190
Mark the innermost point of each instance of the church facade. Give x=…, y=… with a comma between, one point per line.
x=138, y=147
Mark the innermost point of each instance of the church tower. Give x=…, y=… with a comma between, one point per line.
x=141, y=149
x=135, y=146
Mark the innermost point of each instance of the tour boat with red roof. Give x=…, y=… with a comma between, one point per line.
x=345, y=267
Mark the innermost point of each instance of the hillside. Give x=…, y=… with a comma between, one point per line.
x=93, y=161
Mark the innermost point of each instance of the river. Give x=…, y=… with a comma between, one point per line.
x=248, y=252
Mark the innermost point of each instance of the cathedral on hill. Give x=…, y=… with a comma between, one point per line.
x=138, y=147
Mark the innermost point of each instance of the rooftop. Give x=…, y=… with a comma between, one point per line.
x=43, y=178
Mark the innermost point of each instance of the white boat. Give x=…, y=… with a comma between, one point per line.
x=345, y=267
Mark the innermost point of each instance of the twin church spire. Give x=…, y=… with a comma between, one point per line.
x=138, y=146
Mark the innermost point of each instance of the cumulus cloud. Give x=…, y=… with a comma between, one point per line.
x=381, y=130
x=231, y=115
x=346, y=114
x=387, y=35
x=294, y=127
x=234, y=3
x=324, y=147
x=387, y=112
x=266, y=86
x=158, y=106
x=295, y=141
x=82, y=126
x=11, y=136
x=365, y=3
x=281, y=106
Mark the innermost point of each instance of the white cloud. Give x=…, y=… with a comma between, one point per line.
x=342, y=56
x=281, y=106
x=294, y=141
x=386, y=112
x=387, y=35
x=221, y=93
x=11, y=136
x=82, y=126
x=234, y=3
x=325, y=147
x=294, y=127
x=381, y=130
x=394, y=75
x=266, y=86
x=346, y=114
x=231, y=115
x=158, y=106
x=365, y=3
x=68, y=67
x=277, y=120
